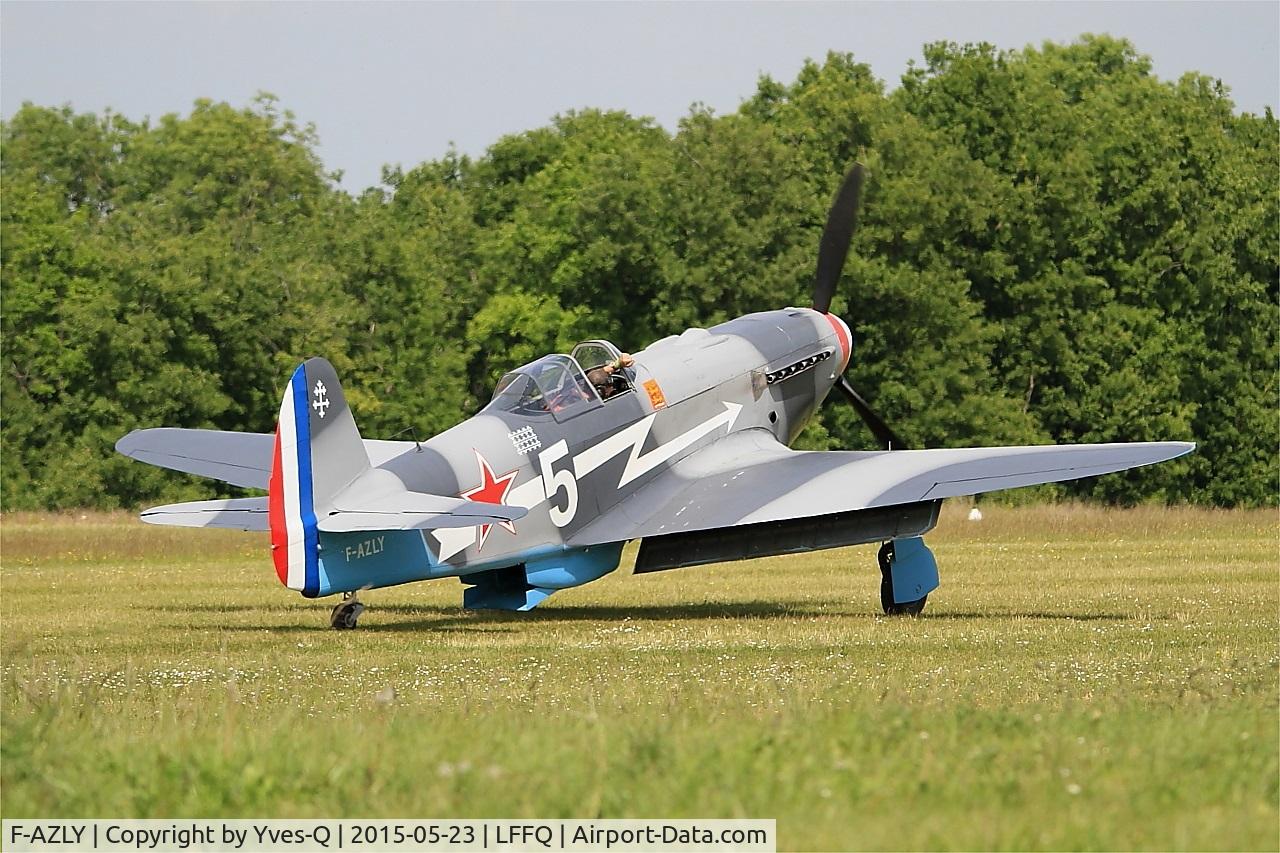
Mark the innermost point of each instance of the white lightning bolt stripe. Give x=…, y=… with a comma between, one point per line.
x=531, y=493
x=634, y=436
x=528, y=494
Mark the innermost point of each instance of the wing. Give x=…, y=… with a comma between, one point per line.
x=748, y=477
x=238, y=458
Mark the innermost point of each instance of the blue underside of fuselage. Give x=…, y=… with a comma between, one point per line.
x=370, y=560
x=351, y=561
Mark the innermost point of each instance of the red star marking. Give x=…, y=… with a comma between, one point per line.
x=492, y=490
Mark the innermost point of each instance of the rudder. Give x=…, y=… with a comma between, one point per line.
x=318, y=453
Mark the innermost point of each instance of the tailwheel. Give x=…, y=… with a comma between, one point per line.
x=344, y=616
x=892, y=608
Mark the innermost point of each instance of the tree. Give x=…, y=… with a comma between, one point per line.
x=1054, y=246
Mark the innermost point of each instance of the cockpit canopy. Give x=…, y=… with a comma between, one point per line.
x=554, y=384
x=558, y=384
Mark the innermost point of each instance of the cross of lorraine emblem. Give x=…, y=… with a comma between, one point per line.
x=320, y=401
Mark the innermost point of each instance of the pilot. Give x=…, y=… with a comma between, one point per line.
x=602, y=376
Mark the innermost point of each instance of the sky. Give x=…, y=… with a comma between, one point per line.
x=388, y=83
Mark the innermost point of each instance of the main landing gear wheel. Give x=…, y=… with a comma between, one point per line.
x=344, y=616
x=905, y=608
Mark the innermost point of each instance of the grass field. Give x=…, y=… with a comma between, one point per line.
x=1084, y=678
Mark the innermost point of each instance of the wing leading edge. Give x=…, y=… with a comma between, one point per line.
x=749, y=477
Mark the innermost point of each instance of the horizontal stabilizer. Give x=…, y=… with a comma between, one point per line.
x=377, y=500
x=411, y=511
x=238, y=458
x=237, y=514
x=460, y=514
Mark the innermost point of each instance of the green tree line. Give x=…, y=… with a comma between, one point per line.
x=1055, y=246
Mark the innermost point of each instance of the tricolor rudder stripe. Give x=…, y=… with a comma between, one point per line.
x=318, y=454
x=290, y=497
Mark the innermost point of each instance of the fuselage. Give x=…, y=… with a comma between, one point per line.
x=549, y=443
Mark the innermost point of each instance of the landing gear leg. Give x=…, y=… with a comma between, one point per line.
x=344, y=616
x=892, y=608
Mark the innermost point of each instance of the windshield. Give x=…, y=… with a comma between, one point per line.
x=552, y=384
x=517, y=393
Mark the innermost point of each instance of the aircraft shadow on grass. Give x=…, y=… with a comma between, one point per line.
x=443, y=617
x=436, y=617
x=611, y=615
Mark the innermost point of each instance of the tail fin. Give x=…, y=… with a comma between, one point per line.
x=318, y=453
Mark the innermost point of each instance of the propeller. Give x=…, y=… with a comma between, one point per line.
x=886, y=436
x=832, y=252
x=834, y=248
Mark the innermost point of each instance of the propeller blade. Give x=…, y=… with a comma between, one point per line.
x=842, y=219
x=887, y=437
x=834, y=248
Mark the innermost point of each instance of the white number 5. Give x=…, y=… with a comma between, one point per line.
x=553, y=481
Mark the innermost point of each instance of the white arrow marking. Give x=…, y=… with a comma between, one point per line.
x=634, y=436
x=454, y=539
